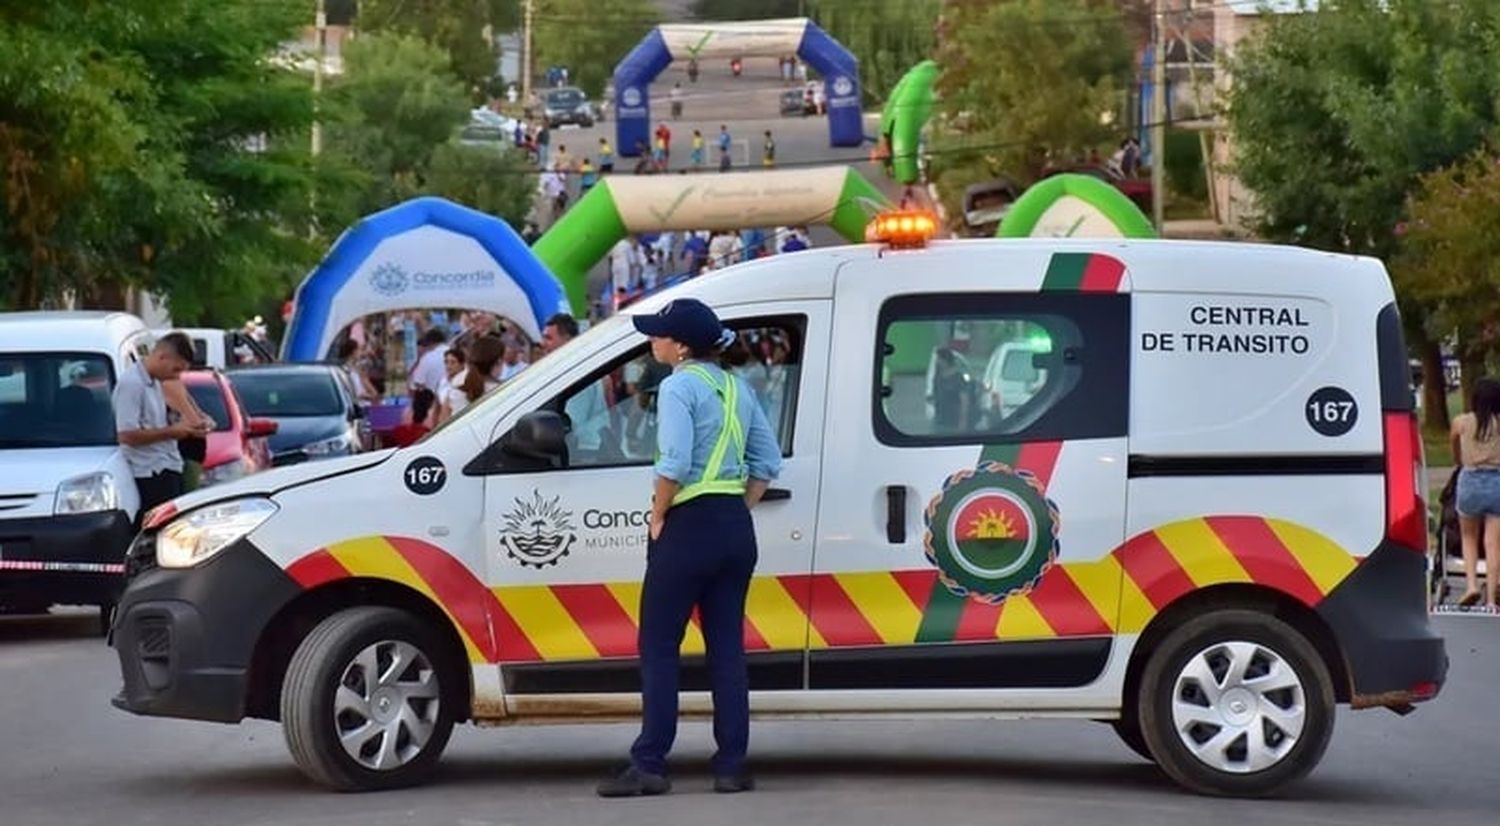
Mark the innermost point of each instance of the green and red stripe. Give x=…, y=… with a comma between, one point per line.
x=1083, y=272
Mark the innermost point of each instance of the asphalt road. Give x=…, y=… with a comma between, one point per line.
x=70, y=759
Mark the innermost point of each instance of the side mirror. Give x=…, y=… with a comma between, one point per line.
x=357, y=412
x=261, y=428
x=537, y=442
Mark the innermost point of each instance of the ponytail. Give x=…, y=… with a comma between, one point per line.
x=484, y=354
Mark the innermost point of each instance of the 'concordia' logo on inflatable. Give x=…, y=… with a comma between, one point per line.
x=843, y=86
x=632, y=96
x=391, y=279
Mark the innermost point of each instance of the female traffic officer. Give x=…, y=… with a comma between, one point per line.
x=716, y=455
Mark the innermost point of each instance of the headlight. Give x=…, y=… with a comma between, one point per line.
x=89, y=493
x=191, y=539
x=329, y=447
x=226, y=472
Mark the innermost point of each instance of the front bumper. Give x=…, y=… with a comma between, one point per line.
x=186, y=637
x=1379, y=614
x=73, y=560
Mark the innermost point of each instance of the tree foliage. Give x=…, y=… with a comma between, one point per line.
x=150, y=143
x=1337, y=112
x=1450, y=256
x=395, y=116
x=1026, y=83
x=589, y=36
x=888, y=36
x=721, y=10
x=457, y=27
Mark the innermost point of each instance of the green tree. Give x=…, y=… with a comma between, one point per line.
x=1450, y=256
x=1025, y=83
x=888, y=36
x=500, y=182
x=456, y=26
x=395, y=105
x=589, y=36
x=395, y=115
x=1337, y=113
x=721, y=10
x=151, y=143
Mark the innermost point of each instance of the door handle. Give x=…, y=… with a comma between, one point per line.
x=776, y=495
x=895, y=514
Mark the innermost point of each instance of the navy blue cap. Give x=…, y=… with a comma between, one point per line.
x=687, y=320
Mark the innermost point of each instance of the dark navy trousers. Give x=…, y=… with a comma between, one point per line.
x=704, y=558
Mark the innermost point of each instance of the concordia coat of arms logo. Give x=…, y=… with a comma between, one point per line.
x=991, y=532
x=538, y=533
x=389, y=279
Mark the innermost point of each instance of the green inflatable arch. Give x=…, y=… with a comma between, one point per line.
x=1074, y=206
x=906, y=112
x=621, y=205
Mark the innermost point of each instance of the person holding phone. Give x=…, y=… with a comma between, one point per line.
x=148, y=441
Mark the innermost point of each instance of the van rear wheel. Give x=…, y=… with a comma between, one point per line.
x=1236, y=703
x=367, y=701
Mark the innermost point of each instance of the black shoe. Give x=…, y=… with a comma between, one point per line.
x=734, y=783
x=633, y=782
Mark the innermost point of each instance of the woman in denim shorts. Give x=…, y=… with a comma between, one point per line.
x=1476, y=450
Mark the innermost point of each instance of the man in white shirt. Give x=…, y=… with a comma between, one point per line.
x=428, y=372
x=148, y=441
x=724, y=249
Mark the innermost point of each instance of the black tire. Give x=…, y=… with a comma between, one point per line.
x=1130, y=734
x=314, y=676
x=1159, y=686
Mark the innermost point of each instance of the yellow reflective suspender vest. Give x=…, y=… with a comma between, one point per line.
x=730, y=433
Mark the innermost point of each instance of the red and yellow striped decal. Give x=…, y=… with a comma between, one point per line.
x=1118, y=594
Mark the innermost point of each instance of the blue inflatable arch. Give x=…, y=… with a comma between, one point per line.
x=684, y=41
x=425, y=253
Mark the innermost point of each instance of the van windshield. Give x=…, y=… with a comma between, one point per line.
x=56, y=400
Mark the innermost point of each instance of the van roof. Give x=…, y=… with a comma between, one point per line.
x=66, y=331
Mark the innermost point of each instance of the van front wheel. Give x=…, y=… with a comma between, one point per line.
x=363, y=705
x=1236, y=703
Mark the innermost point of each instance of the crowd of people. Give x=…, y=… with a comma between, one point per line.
x=646, y=262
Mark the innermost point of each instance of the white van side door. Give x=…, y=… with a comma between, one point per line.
x=566, y=548
x=976, y=471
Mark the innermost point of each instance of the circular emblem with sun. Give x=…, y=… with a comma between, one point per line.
x=991, y=532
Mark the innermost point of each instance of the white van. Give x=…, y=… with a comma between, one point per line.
x=1204, y=525
x=67, y=499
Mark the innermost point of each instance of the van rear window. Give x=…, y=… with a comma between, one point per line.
x=964, y=368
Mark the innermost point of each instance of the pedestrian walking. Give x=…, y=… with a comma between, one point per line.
x=543, y=138
x=1476, y=451
x=716, y=457
x=587, y=177
x=768, y=151
x=606, y=157
x=725, y=142
x=698, y=154
x=676, y=97
x=147, y=440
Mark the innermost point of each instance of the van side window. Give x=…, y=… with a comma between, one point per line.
x=612, y=413
x=996, y=368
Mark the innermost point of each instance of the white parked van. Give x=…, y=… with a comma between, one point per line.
x=67, y=499
x=1199, y=517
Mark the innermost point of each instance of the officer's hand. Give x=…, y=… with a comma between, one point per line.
x=658, y=521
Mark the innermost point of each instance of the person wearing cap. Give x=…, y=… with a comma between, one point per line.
x=716, y=457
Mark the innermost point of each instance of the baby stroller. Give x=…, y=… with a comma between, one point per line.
x=1446, y=571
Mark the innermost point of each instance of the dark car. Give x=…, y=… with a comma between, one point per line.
x=567, y=105
x=237, y=446
x=313, y=406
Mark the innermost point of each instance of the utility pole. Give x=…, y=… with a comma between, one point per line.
x=321, y=24
x=1158, y=112
x=528, y=7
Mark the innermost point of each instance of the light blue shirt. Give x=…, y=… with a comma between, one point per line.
x=689, y=415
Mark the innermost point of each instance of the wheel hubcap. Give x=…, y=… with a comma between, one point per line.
x=386, y=706
x=1239, y=707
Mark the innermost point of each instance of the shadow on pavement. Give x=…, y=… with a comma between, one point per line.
x=61, y=625
x=791, y=773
